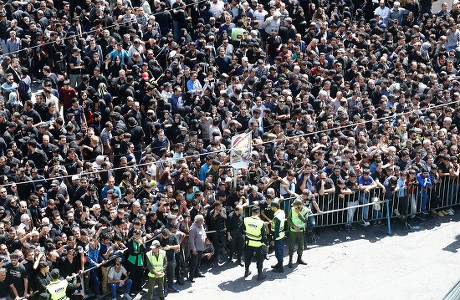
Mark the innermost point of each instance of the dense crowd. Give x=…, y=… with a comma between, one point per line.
x=127, y=140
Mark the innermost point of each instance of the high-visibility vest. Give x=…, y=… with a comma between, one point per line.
x=296, y=221
x=57, y=290
x=281, y=216
x=253, y=227
x=157, y=262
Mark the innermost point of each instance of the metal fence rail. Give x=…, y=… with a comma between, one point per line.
x=374, y=206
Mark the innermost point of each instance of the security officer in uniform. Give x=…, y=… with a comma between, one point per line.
x=59, y=289
x=256, y=240
x=297, y=219
x=156, y=263
x=278, y=235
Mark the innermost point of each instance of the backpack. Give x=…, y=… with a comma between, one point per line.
x=23, y=90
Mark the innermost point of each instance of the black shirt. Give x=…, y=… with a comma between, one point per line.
x=267, y=209
x=17, y=274
x=73, y=60
x=180, y=16
x=137, y=135
x=234, y=221
x=5, y=287
x=42, y=281
x=39, y=158
x=116, y=148
x=169, y=241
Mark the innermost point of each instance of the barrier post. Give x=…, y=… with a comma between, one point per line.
x=82, y=283
x=387, y=203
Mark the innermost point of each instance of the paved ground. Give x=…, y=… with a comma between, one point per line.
x=362, y=264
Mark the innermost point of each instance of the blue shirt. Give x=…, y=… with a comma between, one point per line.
x=175, y=102
x=362, y=181
x=203, y=170
x=424, y=182
x=310, y=184
x=401, y=184
x=115, y=189
x=123, y=55
x=193, y=85
x=12, y=46
x=157, y=145
x=93, y=256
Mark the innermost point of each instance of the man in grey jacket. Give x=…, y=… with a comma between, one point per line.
x=197, y=237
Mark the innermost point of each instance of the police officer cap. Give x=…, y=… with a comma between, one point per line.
x=55, y=274
x=297, y=202
x=256, y=209
x=276, y=204
x=155, y=244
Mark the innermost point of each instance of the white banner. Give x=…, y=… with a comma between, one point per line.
x=240, y=152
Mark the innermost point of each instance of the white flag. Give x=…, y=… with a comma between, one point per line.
x=240, y=152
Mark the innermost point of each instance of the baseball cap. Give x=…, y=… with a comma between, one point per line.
x=155, y=244
x=55, y=274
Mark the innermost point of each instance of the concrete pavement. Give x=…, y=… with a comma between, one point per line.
x=362, y=264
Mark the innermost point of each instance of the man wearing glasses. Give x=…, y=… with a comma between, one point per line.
x=116, y=273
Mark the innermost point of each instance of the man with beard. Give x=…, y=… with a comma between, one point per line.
x=26, y=187
x=80, y=190
x=21, y=211
x=153, y=225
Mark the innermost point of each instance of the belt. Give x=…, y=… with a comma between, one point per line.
x=302, y=229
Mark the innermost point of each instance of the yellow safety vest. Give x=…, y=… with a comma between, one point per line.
x=58, y=290
x=157, y=262
x=297, y=221
x=281, y=216
x=253, y=227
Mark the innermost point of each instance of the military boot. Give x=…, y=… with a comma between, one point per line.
x=290, y=262
x=300, y=261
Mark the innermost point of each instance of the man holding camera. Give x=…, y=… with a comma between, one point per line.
x=297, y=219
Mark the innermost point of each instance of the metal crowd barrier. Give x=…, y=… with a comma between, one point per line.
x=377, y=205
x=442, y=195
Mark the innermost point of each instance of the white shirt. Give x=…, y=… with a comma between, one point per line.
x=260, y=16
x=114, y=275
x=383, y=13
x=292, y=184
x=217, y=8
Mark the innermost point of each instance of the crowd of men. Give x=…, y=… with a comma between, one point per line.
x=119, y=165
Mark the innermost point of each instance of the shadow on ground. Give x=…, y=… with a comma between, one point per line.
x=331, y=236
x=452, y=247
x=242, y=284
